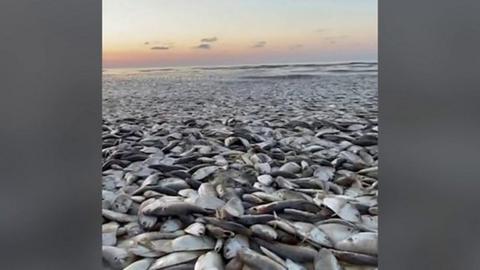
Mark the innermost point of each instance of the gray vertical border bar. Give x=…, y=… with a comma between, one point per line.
x=429, y=92
x=50, y=134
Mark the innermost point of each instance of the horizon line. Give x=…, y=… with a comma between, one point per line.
x=252, y=65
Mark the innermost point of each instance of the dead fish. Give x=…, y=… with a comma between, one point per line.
x=324, y=131
x=257, y=261
x=291, y=167
x=171, y=225
x=204, y=172
x=342, y=208
x=236, y=140
x=291, y=265
x=284, y=183
x=366, y=140
x=355, y=258
x=109, y=234
x=207, y=190
x=209, y=261
x=187, y=193
x=251, y=199
x=273, y=256
x=312, y=233
x=325, y=260
x=122, y=203
x=267, y=197
x=187, y=243
x=116, y=258
x=147, y=222
x=300, y=215
x=142, y=264
x=234, y=244
x=337, y=232
x=162, y=208
x=234, y=207
x=373, y=210
x=165, y=168
x=133, y=228
x=138, y=199
x=324, y=173
x=228, y=225
x=151, y=180
x=218, y=232
x=263, y=168
x=175, y=258
x=285, y=194
x=283, y=224
x=151, y=236
x=371, y=172
x=265, y=179
x=280, y=205
x=298, y=253
x=118, y=217
x=255, y=219
x=174, y=183
x=218, y=244
x=264, y=231
x=283, y=174
x=363, y=242
x=357, y=162
x=370, y=222
x=209, y=202
x=287, y=238
x=234, y=264
x=145, y=251
x=197, y=229
x=162, y=189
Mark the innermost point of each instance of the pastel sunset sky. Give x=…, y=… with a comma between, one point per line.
x=162, y=33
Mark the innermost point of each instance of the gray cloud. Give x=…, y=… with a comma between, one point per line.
x=146, y=43
x=321, y=30
x=211, y=39
x=203, y=46
x=160, y=48
x=296, y=46
x=259, y=44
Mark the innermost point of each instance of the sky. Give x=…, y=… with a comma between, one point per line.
x=168, y=33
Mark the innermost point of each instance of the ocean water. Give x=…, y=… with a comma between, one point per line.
x=339, y=90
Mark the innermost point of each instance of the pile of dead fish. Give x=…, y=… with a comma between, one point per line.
x=240, y=194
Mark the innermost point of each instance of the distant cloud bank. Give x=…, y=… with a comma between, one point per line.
x=160, y=48
x=203, y=46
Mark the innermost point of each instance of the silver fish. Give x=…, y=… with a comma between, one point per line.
x=234, y=244
x=264, y=231
x=116, y=258
x=197, y=229
x=109, y=234
x=256, y=260
x=209, y=261
x=325, y=260
x=142, y=264
x=363, y=242
x=175, y=259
